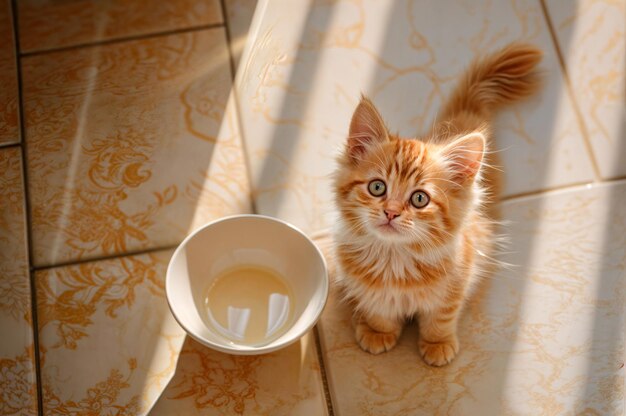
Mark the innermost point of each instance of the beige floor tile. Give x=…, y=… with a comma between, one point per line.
x=239, y=15
x=286, y=382
x=9, y=130
x=301, y=79
x=48, y=24
x=544, y=337
x=130, y=145
x=108, y=342
x=18, y=393
x=592, y=37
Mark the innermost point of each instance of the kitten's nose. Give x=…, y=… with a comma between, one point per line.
x=391, y=214
x=392, y=208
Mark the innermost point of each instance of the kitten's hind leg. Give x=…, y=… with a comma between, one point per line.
x=376, y=334
x=438, y=343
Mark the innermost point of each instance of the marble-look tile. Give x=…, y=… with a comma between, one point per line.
x=300, y=79
x=285, y=382
x=48, y=24
x=108, y=342
x=18, y=393
x=9, y=131
x=239, y=15
x=130, y=145
x=542, y=337
x=592, y=38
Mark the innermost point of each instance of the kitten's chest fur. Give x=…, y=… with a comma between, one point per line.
x=395, y=280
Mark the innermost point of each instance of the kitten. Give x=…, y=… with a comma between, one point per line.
x=414, y=233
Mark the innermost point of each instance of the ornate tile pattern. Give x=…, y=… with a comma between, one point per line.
x=9, y=130
x=543, y=337
x=301, y=79
x=286, y=382
x=18, y=392
x=130, y=145
x=48, y=24
x=592, y=37
x=108, y=342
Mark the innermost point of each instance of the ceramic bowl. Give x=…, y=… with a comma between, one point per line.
x=246, y=240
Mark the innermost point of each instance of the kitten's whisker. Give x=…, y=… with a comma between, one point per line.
x=435, y=121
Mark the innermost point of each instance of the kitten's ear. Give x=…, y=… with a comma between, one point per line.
x=465, y=155
x=366, y=128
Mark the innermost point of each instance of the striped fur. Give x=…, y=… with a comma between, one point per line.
x=397, y=261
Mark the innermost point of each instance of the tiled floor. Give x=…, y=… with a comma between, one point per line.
x=110, y=317
x=207, y=382
x=127, y=142
x=17, y=354
x=133, y=135
x=406, y=68
x=592, y=36
x=50, y=24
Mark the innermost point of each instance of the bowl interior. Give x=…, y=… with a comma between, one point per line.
x=245, y=240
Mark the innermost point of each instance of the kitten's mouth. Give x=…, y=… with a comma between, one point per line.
x=388, y=227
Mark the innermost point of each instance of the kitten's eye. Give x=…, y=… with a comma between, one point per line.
x=377, y=187
x=420, y=199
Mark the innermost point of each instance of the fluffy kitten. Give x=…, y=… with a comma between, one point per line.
x=414, y=234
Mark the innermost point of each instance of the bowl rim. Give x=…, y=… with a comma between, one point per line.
x=247, y=350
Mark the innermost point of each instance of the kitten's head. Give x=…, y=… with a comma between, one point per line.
x=405, y=191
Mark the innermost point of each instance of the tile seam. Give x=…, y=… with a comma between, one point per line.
x=228, y=39
x=233, y=73
x=545, y=190
x=103, y=258
x=10, y=145
x=320, y=358
x=570, y=92
x=26, y=199
x=122, y=39
x=574, y=186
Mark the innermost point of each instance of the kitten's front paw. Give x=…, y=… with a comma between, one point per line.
x=375, y=342
x=438, y=353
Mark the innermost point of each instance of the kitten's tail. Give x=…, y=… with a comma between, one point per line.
x=495, y=81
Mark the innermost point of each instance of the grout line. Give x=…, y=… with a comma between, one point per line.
x=102, y=258
x=9, y=145
x=573, y=186
x=614, y=179
x=27, y=211
x=543, y=191
x=320, y=358
x=570, y=92
x=233, y=72
x=121, y=40
x=228, y=40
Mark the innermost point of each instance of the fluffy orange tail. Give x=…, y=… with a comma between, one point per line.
x=490, y=83
x=495, y=81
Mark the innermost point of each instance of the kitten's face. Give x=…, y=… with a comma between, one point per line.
x=404, y=191
x=400, y=192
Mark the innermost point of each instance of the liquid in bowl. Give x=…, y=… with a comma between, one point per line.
x=249, y=305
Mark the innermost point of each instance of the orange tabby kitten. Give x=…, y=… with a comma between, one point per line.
x=414, y=233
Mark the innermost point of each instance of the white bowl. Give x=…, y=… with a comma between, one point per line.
x=245, y=240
